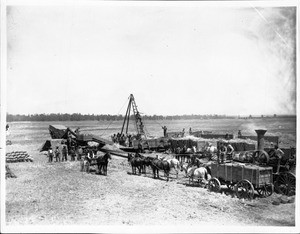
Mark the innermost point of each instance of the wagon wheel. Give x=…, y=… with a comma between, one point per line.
x=285, y=183
x=244, y=189
x=261, y=157
x=214, y=185
x=266, y=190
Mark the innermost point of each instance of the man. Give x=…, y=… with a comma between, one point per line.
x=57, y=154
x=80, y=153
x=130, y=141
x=140, y=148
x=50, y=154
x=165, y=131
x=64, y=153
x=230, y=150
x=222, y=152
x=278, y=154
x=72, y=153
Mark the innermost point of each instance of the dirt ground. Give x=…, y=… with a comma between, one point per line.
x=58, y=193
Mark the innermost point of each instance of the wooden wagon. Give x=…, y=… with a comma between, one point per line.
x=242, y=178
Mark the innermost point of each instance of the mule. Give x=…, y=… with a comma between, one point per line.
x=102, y=162
x=136, y=163
x=199, y=173
x=157, y=165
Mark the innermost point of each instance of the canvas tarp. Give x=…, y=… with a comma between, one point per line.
x=52, y=143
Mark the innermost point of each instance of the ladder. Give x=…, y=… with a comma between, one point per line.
x=138, y=119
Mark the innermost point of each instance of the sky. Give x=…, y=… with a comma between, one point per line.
x=175, y=59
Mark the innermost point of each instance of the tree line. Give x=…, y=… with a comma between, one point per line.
x=102, y=117
x=107, y=117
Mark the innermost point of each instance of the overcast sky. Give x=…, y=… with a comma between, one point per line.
x=175, y=59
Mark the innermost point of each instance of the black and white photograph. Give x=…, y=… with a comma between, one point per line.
x=149, y=116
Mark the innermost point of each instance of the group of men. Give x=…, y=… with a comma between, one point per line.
x=225, y=152
x=61, y=155
x=122, y=139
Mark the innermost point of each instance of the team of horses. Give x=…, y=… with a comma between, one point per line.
x=140, y=163
x=194, y=169
x=101, y=161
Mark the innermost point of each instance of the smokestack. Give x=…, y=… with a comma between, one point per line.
x=260, y=138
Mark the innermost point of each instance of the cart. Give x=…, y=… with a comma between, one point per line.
x=243, y=178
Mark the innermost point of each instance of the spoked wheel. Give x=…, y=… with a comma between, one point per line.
x=285, y=183
x=244, y=189
x=266, y=190
x=214, y=185
x=261, y=157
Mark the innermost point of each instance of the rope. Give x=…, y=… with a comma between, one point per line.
x=114, y=120
x=154, y=121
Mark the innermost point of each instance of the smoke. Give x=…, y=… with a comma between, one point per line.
x=275, y=30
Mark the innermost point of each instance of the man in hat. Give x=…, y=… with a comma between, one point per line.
x=64, y=153
x=57, y=154
x=165, y=130
x=278, y=154
x=222, y=152
x=50, y=154
x=230, y=151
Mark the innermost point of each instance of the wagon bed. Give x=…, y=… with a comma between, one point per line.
x=243, y=178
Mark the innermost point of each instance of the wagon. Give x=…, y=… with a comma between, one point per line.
x=242, y=178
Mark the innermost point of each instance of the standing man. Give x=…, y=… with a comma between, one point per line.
x=230, y=150
x=50, y=154
x=222, y=152
x=80, y=153
x=72, y=153
x=165, y=131
x=278, y=154
x=64, y=153
x=140, y=147
x=57, y=154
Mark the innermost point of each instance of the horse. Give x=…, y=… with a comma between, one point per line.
x=146, y=161
x=189, y=151
x=174, y=163
x=102, y=162
x=194, y=172
x=135, y=162
x=157, y=165
x=211, y=151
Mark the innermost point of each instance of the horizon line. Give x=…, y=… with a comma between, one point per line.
x=229, y=115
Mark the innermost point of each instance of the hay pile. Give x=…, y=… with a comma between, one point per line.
x=18, y=156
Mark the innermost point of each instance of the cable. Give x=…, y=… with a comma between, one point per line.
x=114, y=120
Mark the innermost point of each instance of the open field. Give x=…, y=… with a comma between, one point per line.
x=58, y=193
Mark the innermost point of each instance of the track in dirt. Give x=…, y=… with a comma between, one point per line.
x=58, y=193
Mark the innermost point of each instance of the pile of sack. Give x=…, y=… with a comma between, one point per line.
x=18, y=156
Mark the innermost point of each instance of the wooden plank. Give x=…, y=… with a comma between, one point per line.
x=235, y=172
